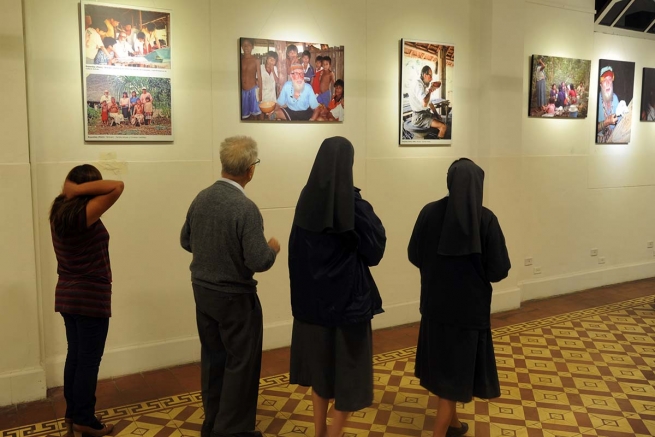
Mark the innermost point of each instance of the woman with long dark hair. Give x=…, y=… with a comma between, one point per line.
x=460, y=250
x=125, y=106
x=335, y=237
x=83, y=292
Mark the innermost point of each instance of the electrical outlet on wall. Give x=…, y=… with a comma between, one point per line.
x=536, y=270
x=593, y=252
x=649, y=244
x=601, y=260
x=528, y=262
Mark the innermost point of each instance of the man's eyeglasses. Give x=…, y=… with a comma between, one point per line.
x=256, y=162
x=297, y=73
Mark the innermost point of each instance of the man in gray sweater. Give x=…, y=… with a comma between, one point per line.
x=224, y=231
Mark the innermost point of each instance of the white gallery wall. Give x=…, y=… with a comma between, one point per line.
x=556, y=193
x=21, y=374
x=578, y=195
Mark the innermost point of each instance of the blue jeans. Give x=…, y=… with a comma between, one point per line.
x=86, y=343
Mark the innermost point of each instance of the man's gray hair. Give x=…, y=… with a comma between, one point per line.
x=238, y=154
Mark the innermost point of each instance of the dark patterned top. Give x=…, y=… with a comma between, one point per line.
x=84, y=285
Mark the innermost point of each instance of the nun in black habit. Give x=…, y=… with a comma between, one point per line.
x=460, y=250
x=335, y=237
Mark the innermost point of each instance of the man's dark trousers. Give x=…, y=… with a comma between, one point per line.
x=230, y=330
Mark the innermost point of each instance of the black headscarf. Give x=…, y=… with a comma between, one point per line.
x=460, y=234
x=327, y=203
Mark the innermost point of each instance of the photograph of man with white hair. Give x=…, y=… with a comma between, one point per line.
x=616, y=82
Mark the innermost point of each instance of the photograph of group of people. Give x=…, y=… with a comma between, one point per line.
x=559, y=87
x=126, y=37
x=616, y=81
x=291, y=81
x=126, y=59
x=426, y=112
x=648, y=95
x=128, y=105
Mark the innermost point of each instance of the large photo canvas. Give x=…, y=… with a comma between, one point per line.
x=426, y=92
x=126, y=63
x=291, y=81
x=616, y=81
x=648, y=95
x=559, y=87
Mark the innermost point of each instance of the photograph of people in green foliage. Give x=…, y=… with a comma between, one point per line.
x=128, y=107
x=559, y=87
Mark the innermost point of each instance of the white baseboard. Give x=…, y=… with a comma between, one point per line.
x=144, y=357
x=23, y=386
x=397, y=314
x=279, y=334
x=556, y=285
x=505, y=300
x=151, y=356
x=134, y=359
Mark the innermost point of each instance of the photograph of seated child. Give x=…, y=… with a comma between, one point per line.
x=335, y=109
x=550, y=108
x=553, y=92
x=138, y=117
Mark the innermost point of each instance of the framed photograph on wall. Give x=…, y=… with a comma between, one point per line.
x=648, y=95
x=559, y=87
x=134, y=98
x=291, y=81
x=426, y=92
x=126, y=64
x=616, y=80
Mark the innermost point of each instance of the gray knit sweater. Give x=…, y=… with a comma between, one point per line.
x=224, y=231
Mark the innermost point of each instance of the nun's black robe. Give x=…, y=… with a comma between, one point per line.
x=455, y=356
x=336, y=236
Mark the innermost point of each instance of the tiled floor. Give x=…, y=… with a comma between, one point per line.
x=175, y=414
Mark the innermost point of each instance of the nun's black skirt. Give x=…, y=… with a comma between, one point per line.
x=336, y=362
x=456, y=363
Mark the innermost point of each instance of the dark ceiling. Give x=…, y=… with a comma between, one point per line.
x=634, y=15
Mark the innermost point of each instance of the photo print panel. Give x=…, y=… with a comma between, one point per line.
x=426, y=92
x=291, y=81
x=616, y=81
x=559, y=87
x=126, y=63
x=128, y=108
x=125, y=37
x=648, y=96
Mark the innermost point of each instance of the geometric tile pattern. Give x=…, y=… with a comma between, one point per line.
x=585, y=373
